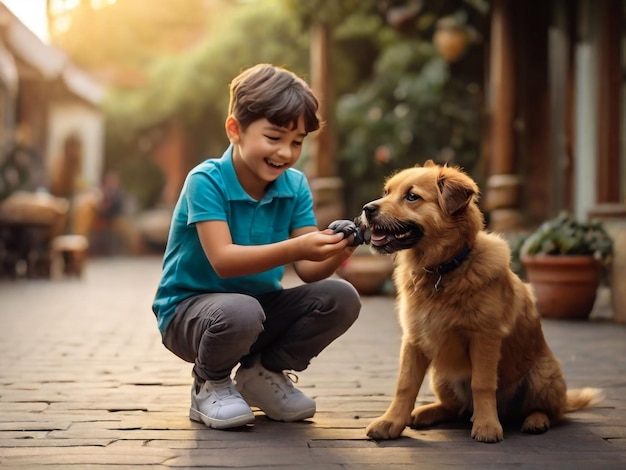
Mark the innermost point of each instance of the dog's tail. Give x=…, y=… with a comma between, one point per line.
x=580, y=398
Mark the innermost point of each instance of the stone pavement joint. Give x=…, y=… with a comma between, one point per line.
x=85, y=381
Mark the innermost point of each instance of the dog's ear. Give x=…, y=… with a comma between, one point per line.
x=429, y=164
x=456, y=192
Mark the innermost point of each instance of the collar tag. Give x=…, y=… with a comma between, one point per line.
x=450, y=266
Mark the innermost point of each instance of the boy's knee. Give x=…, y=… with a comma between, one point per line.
x=346, y=299
x=245, y=316
x=351, y=298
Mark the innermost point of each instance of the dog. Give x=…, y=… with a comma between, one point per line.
x=465, y=315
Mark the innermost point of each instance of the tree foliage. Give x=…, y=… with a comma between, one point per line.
x=129, y=34
x=192, y=87
x=190, y=83
x=411, y=109
x=396, y=103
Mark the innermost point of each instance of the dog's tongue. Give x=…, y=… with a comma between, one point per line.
x=378, y=239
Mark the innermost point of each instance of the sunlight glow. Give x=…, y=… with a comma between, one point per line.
x=62, y=24
x=32, y=13
x=99, y=4
x=58, y=7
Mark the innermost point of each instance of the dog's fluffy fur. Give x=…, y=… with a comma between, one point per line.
x=474, y=325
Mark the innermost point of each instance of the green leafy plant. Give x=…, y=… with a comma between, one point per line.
x=565, y=236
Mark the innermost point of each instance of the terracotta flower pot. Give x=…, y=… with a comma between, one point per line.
x=565, y=286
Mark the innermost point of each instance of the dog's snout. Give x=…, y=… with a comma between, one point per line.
x=370, y=209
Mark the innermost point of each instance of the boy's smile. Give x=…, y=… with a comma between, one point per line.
x=272, y=164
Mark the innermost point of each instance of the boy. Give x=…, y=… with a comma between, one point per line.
x=238, y=221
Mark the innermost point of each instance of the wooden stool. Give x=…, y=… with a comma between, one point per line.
x=69, y=251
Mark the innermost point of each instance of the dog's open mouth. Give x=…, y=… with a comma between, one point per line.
x=391, y=239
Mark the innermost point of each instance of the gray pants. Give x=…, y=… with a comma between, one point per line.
x=286, y=328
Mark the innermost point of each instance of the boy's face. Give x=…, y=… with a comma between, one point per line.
x=265, y=149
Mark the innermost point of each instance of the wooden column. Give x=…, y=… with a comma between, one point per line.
x=326, y=187
x=502, y=80
x=536, y=106
x=170, y=156
x=320, y=82
x=609, y=92
x=503, y=185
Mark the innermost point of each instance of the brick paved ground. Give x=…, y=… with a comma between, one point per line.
x=85, y=382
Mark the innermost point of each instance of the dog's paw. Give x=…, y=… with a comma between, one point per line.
x=536, y=423
x=383, y=428
x=487, y=432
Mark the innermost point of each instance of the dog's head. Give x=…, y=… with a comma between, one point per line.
x=427, y=207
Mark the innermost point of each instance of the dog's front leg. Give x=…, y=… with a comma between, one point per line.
x=485, y=355
x=413, y=365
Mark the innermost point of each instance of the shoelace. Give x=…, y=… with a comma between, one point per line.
x=225, y=392
x=293, y=378
x=286, y=384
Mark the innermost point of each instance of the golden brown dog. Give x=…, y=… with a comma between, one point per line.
x=464, y=314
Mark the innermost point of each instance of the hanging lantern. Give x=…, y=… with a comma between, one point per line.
x=450, y=39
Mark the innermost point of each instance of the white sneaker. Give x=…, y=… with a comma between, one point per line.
x=219, y=405
x=274, y=393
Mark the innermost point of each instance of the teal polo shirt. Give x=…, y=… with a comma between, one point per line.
x=212, y=192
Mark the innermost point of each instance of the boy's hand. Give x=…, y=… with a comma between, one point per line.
x=321, y=245
x=349, y=229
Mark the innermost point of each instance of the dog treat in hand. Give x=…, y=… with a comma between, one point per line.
x=349, y=228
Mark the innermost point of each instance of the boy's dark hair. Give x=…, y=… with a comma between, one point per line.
x=273, y=93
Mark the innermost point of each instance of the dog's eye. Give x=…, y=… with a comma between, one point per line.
x=411, y=197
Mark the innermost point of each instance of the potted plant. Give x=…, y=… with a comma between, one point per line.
x=564, y=260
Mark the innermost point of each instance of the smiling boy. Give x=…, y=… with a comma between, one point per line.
x=239, y=220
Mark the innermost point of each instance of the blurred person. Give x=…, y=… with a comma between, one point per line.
x=113, y=197
x=239, y=220
x=114, y=230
